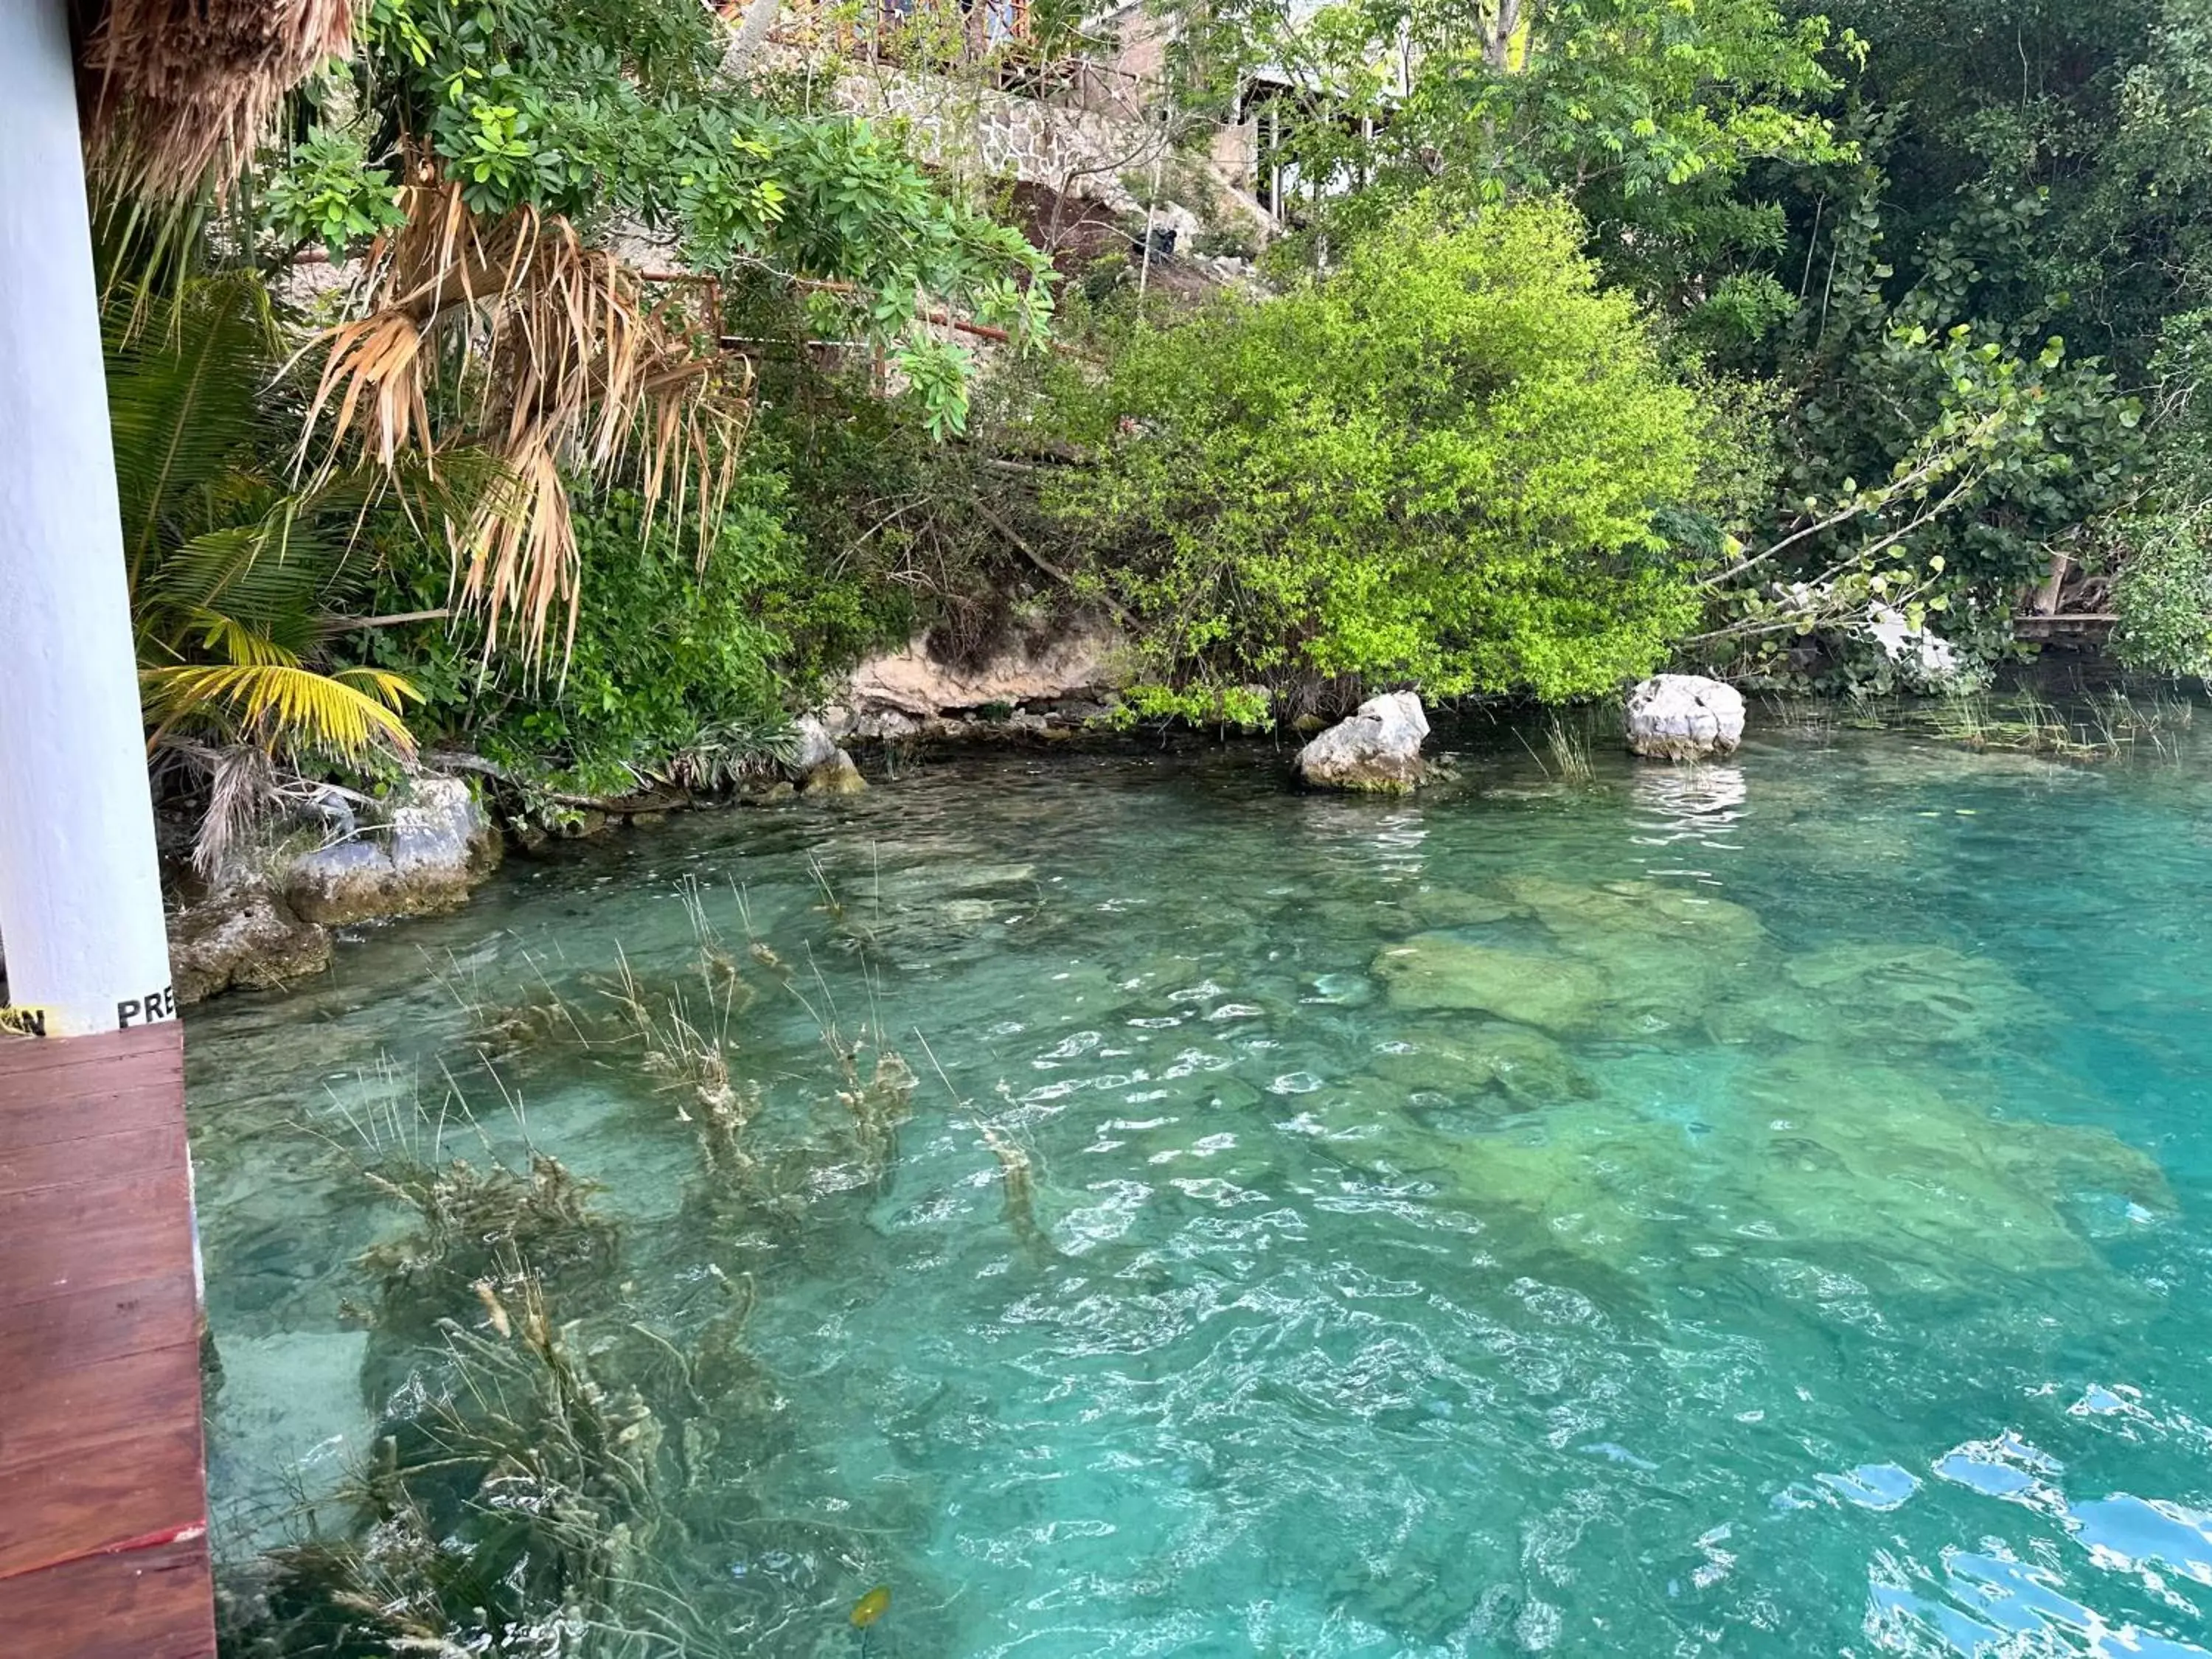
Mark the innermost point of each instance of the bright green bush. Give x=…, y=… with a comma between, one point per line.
x=1440, y=465
x=2163, y=598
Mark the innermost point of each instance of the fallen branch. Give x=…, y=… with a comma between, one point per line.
x=347, y=624
x=990, y=517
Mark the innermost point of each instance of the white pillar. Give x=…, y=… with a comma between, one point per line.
x=80, y=891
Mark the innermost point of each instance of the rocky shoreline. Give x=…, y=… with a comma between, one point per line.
x=267, y=921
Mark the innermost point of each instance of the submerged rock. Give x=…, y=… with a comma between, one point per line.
x=1636, y=970
x=1376, y=750
x=1882, y=993
x=436, y=843
x=1684, y=717
x=1459, y=1061
x=1874, y=1170
x=1447, y=906
x=1605, y=919
x=1441, y=970
x=245, y=941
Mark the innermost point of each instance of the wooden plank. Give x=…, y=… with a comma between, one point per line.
x=43, y=1099
x=27, y=1057
x=136, y=1313
x=102, y=1537
x=66, y=1103
x=91, y=1159
x=144, y=1470
x=147, y=1603
x=79, y=1238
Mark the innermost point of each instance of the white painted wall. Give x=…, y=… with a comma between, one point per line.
x=80, y=891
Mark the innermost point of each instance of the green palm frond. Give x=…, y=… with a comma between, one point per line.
x=272, y=576
x=348, y=715
x=238, y=572
x=184, y=400
x=238, y=645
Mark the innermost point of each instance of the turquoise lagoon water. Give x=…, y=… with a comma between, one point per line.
x=1758, y=1209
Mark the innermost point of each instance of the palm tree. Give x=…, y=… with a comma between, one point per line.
x=238, y=577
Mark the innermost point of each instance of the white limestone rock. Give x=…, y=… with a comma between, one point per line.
x=817, y=765
x=1378, y=751
x=1684, y=717
x=434, y=845
x=812, y=746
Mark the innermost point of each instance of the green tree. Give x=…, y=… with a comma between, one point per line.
x=1444, y=464
x=621, y=114
x=673, y=662
x=519, y=141
x=1648, y=114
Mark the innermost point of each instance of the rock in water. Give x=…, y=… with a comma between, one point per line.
x=436, y=846
x=1439, y=971
x=819, y=765
x=247, y=941
x=1684, y=717
x=1378, y=749
x=837, y=775
x=813, y=745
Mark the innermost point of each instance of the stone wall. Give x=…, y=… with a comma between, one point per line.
x=1084, y=141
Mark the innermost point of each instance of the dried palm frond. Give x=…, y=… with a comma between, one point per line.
x=178, y=92
x=246, y=787
x=560, y=365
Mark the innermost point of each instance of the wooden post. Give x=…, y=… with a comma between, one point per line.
x=2054, y=583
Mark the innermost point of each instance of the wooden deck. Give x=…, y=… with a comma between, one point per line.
x=103, y=1528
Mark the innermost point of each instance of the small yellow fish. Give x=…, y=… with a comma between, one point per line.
x=871, y=1606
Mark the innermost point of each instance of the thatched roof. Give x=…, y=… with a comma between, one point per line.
x=178, y=92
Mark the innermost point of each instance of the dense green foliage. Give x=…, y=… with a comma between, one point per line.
x=617, y=113
x=1798, y=343
x=237, y=570
x=672, y=657
x=1650, y=113
x=2163, y=543
x=1440, y=465
x=1851, y=203
x=2034, y=174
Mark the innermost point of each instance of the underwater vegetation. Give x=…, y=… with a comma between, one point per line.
x=566, y=1451
x=547, y=1478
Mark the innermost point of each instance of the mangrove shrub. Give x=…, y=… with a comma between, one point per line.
x=1439, y=464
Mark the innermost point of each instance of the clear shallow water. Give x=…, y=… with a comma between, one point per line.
x=1822, y=1263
